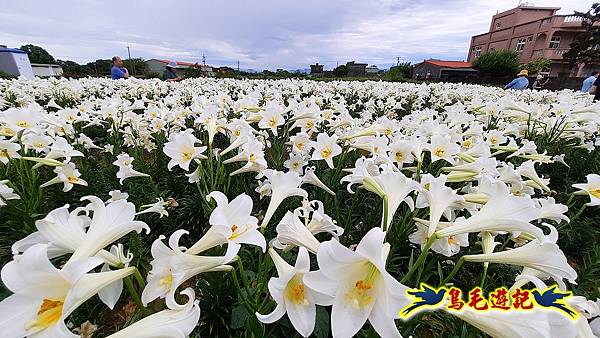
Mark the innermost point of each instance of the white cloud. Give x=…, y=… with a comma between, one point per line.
x=260, y=34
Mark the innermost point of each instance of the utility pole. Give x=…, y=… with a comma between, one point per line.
x=131, y=63
x=398, y=61
x=238, y=66
x=203, y=59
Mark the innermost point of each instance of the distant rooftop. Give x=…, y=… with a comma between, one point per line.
x=450, y=64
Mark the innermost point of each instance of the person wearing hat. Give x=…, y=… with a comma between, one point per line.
x=520, y=83
x=170, y=74
x=538, y=84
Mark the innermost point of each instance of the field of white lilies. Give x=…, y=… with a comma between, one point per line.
x=255, y=208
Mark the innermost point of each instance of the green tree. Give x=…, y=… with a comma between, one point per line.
x=136, y=66
x=100, y=67
x=394, y=74
x=399, y=72
x=585, y=48
x=537, y=65
x=37, y=54
x=497, y=63
x=73, y=69
x=340, y=71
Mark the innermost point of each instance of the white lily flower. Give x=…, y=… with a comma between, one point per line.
x=292, y=295
x=158, y=207
x=116, y=257
x=502, y=212
x=447, y=246
x=125, y=164
x=321, y=222
x=438, y=197
x=234, y=220
x=109, y=223
x=116, y=195
x=311, y=178
x=60, y=148
x=182, y=149
x=6, y=193
x=527, y=169
x=177, y=321
x=45, y=296
x=296, y=163
x=326, y=148
x=171, y=267
x=361, y=287
x=546, y=257
x=396, y=188
x=549, y=209
x=68, y=175
x=8, y=150
x=591, y=188
x=292, y=232
x=442, y=148
x=536, y=323
x=283, y=185
x=271, y=118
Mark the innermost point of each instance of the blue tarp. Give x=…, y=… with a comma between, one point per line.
x=11, y=50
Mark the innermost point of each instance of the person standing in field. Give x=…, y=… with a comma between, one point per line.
x=118, y=71
x=586, y=87
x=539, y=82
x=520, y=83
x=170, y=73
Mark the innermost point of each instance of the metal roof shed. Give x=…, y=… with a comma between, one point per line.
x=15, y=61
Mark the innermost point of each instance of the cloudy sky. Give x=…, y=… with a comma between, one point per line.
x=261, y=34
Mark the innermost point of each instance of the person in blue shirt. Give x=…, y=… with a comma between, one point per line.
x=118, y=71
x=587, y=83
x=520, y=83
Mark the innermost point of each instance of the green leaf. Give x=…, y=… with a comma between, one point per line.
x=322, y=323
x=238, y=317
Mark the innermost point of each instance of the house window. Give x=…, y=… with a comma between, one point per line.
x=498, y=25
x=520, y=44
x=555, y=42
x=545, y=72
x=477, y=51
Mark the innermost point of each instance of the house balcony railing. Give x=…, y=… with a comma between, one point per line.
x=549, y=53
x=570, y=21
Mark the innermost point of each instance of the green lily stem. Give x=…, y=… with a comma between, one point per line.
x=243, y=273
x=140, y=280
x=459, y=263
x=243, y=300
x=579, y=212
x=134, y=294
x=484, y=274
x=384, y=221
x=420, y=260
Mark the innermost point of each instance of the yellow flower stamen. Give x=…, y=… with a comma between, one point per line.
x=595, y=192
x=360, y=294
x=48, y=314
x=166, y=281
x=440, y=152
x=325, y=153
x=294, y=291
x=272, y=122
